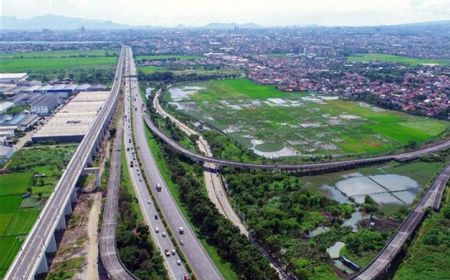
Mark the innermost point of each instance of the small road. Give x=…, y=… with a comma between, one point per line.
x=107, y=242
x=158, y=231
x=383, y=260
x=198, y=259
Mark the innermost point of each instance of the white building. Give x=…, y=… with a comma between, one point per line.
x=12, y=77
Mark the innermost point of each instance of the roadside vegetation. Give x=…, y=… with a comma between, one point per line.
x=83, y=66
x=136, y=250
x=411, y=61
x=32, y=174
x=282, y=209
x=234, y=249
x=428, y=256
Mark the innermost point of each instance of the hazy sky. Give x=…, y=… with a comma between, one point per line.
x=265, y=12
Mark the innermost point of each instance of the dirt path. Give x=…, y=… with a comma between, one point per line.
x=92, y=245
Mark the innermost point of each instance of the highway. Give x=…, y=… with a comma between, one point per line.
x=146, y=204
x=214, y=185
x=197, y=257
x=383, y=260
x=107, y=241
x=33, y=249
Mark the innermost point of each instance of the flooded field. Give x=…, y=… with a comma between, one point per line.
x=276, y=124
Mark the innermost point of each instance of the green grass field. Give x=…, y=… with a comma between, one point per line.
x=267, y=120
x=41, y=64
x=151, y=69
x=93, y=66
x=397, y=59
x=167, y=57
x=61, y=53
x=17, y=214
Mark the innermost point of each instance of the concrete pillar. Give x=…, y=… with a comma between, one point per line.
x=68, y=209
x=89, y=160
x=74, y=196
x=97, y=179
x=62, y=223
x=51, y=247
x=43, y=266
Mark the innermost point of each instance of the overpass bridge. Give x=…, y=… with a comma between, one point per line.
x=31, y=260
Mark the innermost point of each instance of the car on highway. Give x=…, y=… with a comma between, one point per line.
x=158, y=187
x=173, y=252
x=157, y=230
x=156, y=217
x=163, y=234
x=167, y=252
x=181, y=242
x=149, y=201
x=181, y=230
x=178, y=262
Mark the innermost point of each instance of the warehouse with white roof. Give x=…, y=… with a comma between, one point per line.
x=72, y=122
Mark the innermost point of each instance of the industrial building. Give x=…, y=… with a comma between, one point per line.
x=12, y=77
x=45, y=105
x=72, y=122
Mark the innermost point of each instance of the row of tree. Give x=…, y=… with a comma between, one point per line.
x=232, y=246
x=135, y=249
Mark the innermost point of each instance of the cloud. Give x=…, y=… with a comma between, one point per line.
x=267, y=12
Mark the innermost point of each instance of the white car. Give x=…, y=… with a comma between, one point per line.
x=157, y=230
x=178, y=262
x=173, y=252
x=163, y=234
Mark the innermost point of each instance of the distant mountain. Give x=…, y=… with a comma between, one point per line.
x=56, y=22
x=219, y=25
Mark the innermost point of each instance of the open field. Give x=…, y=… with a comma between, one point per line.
x=167, y=57
x=280, y=124
x=84, y=66
x=42, y=64
x=397, y=59
x=18, y=214
x=61, y=53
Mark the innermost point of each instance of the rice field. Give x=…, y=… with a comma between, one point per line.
x=277, y=124
x=48, y=61
x=411, y=61
x=18, y=212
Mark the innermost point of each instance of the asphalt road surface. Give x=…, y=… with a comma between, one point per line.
x=197, y=257
x=107, y=241
x=173, y=264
